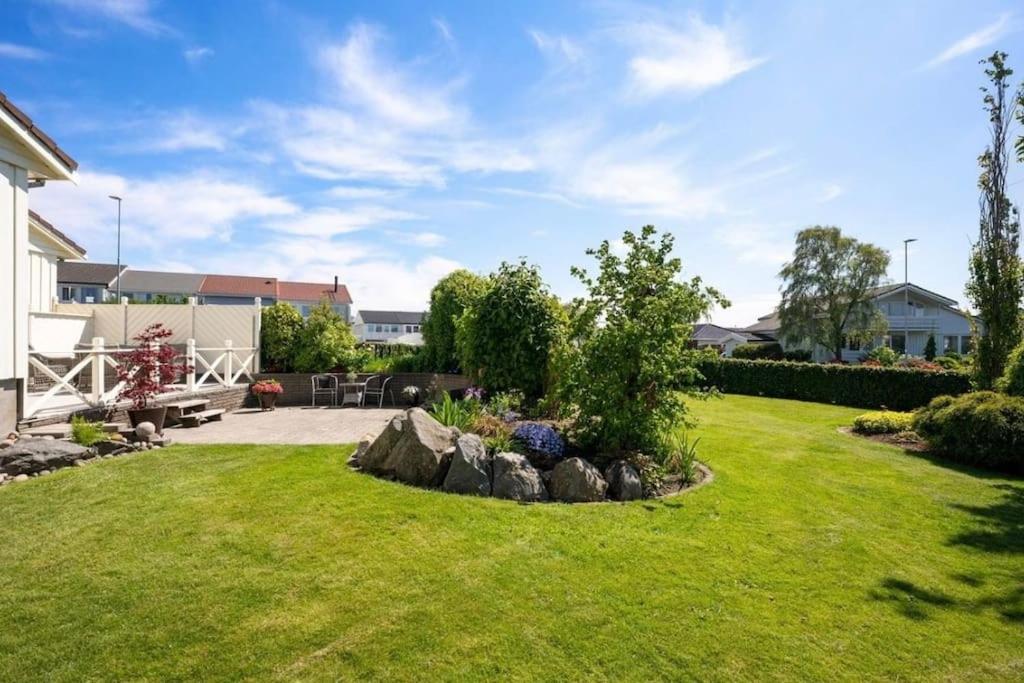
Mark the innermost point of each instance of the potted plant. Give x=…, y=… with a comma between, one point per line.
x=413, y=394
x=267, y=391
x=147, y=371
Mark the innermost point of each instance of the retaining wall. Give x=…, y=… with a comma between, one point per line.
x=298, y=386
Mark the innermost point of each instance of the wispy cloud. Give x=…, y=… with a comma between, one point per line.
x=445, y=31
x=197, y=54
x=180, y=133
x=558, y=48
x=830, y=192
x=329, y=221
x=973, y=41
x=534, y=194
x=135, y=14
x=688, y=59
x=14, y=51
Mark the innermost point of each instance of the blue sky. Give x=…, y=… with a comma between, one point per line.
x=391, y=142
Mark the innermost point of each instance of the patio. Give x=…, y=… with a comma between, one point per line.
x=289, y=425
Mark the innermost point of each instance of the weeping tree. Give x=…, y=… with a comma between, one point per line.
x=828, y=290
x=995, y=287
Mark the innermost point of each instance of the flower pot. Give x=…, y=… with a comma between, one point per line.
x=267, y=401
x=154, y=414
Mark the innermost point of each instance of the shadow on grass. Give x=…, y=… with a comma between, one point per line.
x=999, y=530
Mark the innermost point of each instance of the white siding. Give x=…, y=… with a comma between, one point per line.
x=14, y=269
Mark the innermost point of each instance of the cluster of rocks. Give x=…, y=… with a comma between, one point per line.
x=416, y=449
x=23, y=456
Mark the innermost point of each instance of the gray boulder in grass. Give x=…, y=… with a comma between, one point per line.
x=516, y=479
x=577, y=481
x=423, y=453
x=623, y=481
x=471, y=468
x=28, y=456
x=376, y=457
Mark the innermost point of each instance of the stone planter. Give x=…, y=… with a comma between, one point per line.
x=154, y=414
x=267, y=400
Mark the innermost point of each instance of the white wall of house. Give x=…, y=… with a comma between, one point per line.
x=382, y=332
x=14, y=264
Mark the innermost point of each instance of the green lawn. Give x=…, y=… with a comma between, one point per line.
x=812, y=555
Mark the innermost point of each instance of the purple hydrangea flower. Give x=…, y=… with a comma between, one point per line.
x=540, y=438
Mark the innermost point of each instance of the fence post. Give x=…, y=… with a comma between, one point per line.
x=192, y=316
x=257, y=331
x=98, y=373
x=229, y=355
x=190, y=360
x=124, y=316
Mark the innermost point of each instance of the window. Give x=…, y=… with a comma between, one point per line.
x=950, y=344
x=415, y=328
x=378, y=328
x=851, y=344
x=67, y=293
x=966, y=345
x=306, y=310
x=394, y=328
x=898, y=343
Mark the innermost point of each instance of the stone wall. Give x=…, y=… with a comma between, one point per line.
x=298, y=386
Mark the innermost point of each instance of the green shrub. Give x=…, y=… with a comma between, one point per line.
x=405, y=362
x=449, y=299
x=453, y=413
x=279, y=330
x=1012, y=381
x=771, y=351
x=929, y=348
x=984, y=429
x=883, y=422
x=86, y=433
x=507, y=338
x=326, y=343
x=679, y=455
x=797, y=356
x=848, y=385
x=883, y=355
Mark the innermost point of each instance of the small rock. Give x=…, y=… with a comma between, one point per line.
x=623, y=481
x=21, y=477
x=81, y=463
x=12, y=436
x=577, y=481
x=470, y=471
x=43, y=473
x=364, y=445
x=516, y=479
x=145, y=430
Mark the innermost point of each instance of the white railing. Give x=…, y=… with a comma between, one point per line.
x=229, y=364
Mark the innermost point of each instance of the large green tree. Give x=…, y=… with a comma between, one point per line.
x=326, y=343
x=449, y=299
x=279, y=330
x=995, y=287
x=508, y=338
x=828, y=288
x=630, y=362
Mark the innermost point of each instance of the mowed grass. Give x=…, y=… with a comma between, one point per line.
x=812, y=555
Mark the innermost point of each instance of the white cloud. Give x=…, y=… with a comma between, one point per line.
x=973, y=41
x=156, y=211
x=755, y=244
x=745, y=309
x=136, y=14
x=197, y=54
x=830, y=192
x=689, y=60
x=531, y=194
x=445, y=31
x=181, y=132
x=385, y=89
x=14, y=51
x=422, y=239
x=328, y=221
x=558, y=48
x=350, y=192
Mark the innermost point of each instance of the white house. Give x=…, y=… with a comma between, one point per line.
x=28, y=158
x=722, y=339
x=925, y=314
x=389, y=327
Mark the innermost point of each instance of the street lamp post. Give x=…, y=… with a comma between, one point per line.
x=118, y=200
x=906, y=298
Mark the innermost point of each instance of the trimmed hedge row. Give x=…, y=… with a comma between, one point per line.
x=849, y=385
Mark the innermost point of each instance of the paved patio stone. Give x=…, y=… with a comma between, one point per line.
x=290, y=425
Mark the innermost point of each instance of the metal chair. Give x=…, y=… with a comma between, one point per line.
x=325, y=385
x=377, y=392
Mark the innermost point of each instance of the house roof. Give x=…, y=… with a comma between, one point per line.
x=56, y=234
x=766, y=323
x=392, y=317
x=69, y=165
x=159, y=282
x=84, y=273
x=309, y=291
x=713, y=333
x=239, y=285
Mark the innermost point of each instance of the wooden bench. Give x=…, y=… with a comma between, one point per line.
x=197, y=418
x=175, y=411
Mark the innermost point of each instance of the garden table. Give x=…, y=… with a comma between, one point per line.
x=351, y=392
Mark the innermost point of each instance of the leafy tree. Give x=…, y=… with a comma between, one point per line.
x=326, y=342
x=828, y=287
x=630, y=366
x=279, y=330
x=1012, y=381
x=995, y=286
x=449, y=299
x=929, y=348
x=507, y=337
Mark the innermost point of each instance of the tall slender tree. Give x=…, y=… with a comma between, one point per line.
x=995, y=287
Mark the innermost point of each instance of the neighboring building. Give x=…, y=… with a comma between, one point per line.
x=28, y=158
x=926, y=314
x=237, y=289
x=389, y=327
x=86, y=283
x=48, y=249
x=305, y=295
x=722, y=339
x=146, y=286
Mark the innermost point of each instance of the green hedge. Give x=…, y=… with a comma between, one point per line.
x=849, y=385
x=983, y=429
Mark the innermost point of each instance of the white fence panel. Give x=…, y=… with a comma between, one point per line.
x=174, y=317
x=60, y=332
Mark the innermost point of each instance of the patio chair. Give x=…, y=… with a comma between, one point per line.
x=325, y=385
x=376, y=386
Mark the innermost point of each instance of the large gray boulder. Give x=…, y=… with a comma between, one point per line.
x=470, y=471
x=423, y=453
x=28, y=456
x=623, y=481
x=577, y=481
x=516, y=479
x=377, y=456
